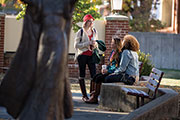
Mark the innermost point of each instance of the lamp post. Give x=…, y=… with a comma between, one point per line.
x=116, y=6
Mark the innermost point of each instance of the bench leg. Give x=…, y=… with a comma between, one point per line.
x=142, y=100
x=137, y=101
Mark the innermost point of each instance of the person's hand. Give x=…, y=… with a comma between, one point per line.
x=92, y=45
x=104, y=71
x=92, y=42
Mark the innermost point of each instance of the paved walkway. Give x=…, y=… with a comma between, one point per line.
x=82, y=111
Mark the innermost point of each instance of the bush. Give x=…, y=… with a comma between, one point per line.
x=147, y=63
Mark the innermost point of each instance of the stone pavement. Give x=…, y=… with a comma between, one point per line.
x=82, y=111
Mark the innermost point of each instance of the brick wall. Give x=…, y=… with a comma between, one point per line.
x=115, y=25
x=2, y=25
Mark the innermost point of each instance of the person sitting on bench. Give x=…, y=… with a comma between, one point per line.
x=128, y=71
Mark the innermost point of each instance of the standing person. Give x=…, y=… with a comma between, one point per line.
x=128, y=71
x=114, y=59
x=84, y=44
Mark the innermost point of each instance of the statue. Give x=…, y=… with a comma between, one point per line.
x=36, y=86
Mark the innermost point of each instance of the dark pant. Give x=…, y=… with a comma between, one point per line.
x=82, y=61
x=121, y=77
x=99, y=78
x=114, y=78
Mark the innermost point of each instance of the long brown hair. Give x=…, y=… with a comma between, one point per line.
x=130, y=43
x=118, y=43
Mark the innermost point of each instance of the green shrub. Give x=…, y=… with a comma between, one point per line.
x=147, y=63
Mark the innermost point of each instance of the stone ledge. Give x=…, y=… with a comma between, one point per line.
x=164, y=106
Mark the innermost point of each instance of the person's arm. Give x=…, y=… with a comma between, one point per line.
x=111, y=68
x=80, y=44
x=95, y=37
x=125, y=59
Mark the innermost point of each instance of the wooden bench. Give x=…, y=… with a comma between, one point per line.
x=152, y=85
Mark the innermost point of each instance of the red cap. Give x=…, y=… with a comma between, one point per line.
x=87, y=17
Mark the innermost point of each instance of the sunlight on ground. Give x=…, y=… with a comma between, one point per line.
x=170, y=82
x=76, y=91
x=122, y=113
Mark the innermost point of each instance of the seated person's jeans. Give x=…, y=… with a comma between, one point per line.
x=121, y=77
x=99, y=78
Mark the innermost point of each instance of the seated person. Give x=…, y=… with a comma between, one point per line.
x=114, y=60
x=128, y=71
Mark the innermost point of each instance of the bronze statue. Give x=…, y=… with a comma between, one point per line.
x=36, y=86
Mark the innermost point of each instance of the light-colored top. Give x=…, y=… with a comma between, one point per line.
x=83, y=45
x=129, y=63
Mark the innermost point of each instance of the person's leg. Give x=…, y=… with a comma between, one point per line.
x=92, y=69
x=82, y=59
x=91, y=66
x=101, y=78
x=92, y=85
x=94, y=98
x=114, y=78
x=95, y=94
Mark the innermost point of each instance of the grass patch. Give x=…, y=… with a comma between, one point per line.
x=170, y=73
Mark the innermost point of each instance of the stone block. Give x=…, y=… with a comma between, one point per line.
x=114, y=98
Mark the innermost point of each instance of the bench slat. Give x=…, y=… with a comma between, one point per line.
x=132, y=91
x=137, y=92
x=125, y=89
x=154, y=82
x=144, y=93
x=152, y=75
x=156, y=71
x=150, y=87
